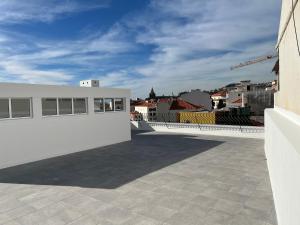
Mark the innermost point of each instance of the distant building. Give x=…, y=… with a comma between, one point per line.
x=164, y=110
x=168, y=112
x=219, y=96
x=198, y=98
x=147, y=110
x=236, y=99
x=258, y=101
x=257, y=96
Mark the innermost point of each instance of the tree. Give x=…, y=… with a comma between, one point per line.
x=152, y=94
x=221, y=104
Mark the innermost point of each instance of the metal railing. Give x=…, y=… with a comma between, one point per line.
x=197, y=119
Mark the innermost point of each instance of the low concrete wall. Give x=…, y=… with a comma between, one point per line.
x=219, y=130
x=29, y=139
x=282, y=146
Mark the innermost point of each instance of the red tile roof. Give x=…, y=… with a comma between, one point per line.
x=180, y=104
x=220, y=93
x=146, y=104
x=164, y=100
x=238, y=101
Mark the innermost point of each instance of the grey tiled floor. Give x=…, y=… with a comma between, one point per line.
x=154, y=179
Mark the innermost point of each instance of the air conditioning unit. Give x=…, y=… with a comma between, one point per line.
x=89, y=83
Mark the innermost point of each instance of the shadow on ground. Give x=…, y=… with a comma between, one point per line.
x=112, y=166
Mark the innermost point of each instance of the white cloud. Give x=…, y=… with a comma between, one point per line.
x=23, y=58
x=19, y=72
x=197, y=41
x=16, y=11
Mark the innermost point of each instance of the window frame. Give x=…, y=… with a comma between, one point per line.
x=103, y=104
x=124, y=104
x=73, y=107
x=113, y=104
x=57, y=105
x=30, y=108
x=72, y=102
x=10, y=108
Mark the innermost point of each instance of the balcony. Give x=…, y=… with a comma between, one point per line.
x=157, y=178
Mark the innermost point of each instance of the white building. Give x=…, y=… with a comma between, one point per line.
x=282, y=140
x=147, y=110
x=43, y=121
x=219, y=96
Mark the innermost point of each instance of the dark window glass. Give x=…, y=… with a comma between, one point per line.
x=65, y=106
x=49, y=106
x=109, y=104
x=80, y=105
x=119, y=104
x=20, y=107
x=4, y=108
x=98, y=105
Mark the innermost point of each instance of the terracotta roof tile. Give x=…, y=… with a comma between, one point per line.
x=238, y=101
x=146, y=104
x=220, y=93
x=180, y=104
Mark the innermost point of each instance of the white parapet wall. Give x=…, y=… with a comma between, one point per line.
x=282, y=146
x=39, y=137
x=200, y=129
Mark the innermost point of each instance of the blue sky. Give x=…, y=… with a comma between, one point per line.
x=171, y=45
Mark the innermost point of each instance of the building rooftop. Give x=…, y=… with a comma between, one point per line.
x=157, y=178
x=145, y=104
x=238, y=101
x=180, y=104
x=220, y=94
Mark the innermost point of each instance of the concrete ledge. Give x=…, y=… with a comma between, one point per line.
x=187, y=128
x=282, y=147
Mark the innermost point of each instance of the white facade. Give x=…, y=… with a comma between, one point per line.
x=282, y=140
x=148, y=113
x=282, y=146
x=37, y=136
x=217, y=99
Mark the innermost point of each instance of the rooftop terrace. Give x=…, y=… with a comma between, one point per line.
x=157, y=178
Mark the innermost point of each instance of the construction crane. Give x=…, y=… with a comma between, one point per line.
x=257, y=60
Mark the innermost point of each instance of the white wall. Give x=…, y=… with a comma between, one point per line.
x=282, y=146
x=282, y=141
x=289, y=60
x=195, y=129
x=31, y=139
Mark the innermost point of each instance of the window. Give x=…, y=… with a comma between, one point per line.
x=65, y=106
x=119, y=104
x=98, y=105
x=109, y=104
x=49, y=106
x=80, y=105
x=4, y=108
x=20, y=107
